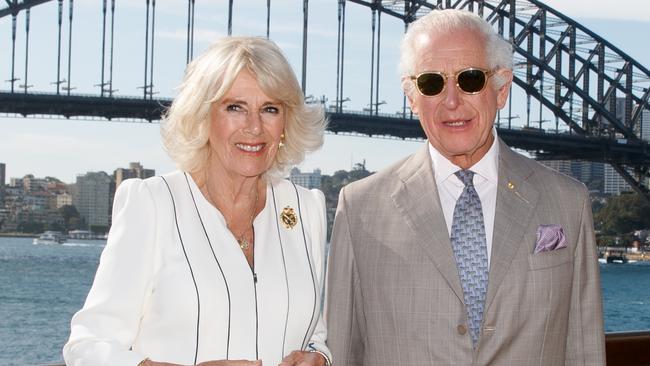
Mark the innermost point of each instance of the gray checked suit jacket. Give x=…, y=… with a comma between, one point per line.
x=394, y=295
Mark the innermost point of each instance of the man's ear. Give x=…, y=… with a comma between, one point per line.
x=504, y=90
x=409, y=90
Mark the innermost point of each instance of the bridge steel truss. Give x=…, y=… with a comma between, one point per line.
x=596, y=93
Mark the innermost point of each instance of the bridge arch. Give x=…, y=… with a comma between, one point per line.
x=596, y=94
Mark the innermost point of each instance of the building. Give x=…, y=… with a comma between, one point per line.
x=614, y=183
x=32, y=184
x=307, y=180
x=135, y=170
x=63, y=199
x=645, y=125
x=3, y=168
x=29, y=204
x=2, y=188
x=92, y=197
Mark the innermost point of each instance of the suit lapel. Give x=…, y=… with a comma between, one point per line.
x=417, y=201
x=515, y=205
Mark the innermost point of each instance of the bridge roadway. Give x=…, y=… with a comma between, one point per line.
x=543, y=143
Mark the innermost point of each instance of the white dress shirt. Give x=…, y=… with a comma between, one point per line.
x=172, y=274
x=485, y=180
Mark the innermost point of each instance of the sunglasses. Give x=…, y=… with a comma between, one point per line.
x=470, y=81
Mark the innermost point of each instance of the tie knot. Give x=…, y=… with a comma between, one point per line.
x=465, y=176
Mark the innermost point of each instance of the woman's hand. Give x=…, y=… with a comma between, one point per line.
x=209, y=363
x=231, y=363
x=303, y=358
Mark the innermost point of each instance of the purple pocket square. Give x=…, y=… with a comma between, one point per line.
x=549, y=237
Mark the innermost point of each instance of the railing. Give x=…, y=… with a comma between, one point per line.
x=628, y=348
x=623, y=349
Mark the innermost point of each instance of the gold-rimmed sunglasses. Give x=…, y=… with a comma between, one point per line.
x=470, y=81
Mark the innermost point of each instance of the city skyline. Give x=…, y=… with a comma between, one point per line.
x=46, y=147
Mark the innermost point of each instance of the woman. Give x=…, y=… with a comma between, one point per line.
x=221, y=260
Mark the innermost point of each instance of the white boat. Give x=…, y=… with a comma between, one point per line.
x=50, y=237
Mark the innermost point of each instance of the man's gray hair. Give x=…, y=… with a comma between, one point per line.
x=497, y=49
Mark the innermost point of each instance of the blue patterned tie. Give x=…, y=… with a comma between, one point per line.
x=470, y=251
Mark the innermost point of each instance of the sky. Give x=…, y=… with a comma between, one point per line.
x=65, y=148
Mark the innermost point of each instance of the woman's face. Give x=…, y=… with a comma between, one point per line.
x=245, y=130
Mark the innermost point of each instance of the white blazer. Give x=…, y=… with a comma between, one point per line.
x=173, y=284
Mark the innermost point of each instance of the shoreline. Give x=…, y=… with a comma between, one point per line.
x=18, y=235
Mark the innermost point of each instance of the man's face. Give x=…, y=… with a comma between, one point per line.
x=458, y=125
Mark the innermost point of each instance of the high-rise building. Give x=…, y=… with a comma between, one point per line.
x=307, y=180
x=2, y=188
x=614, y=183
x=135, y=170
x=645, y=125
x=2, y=174
x=91, y=196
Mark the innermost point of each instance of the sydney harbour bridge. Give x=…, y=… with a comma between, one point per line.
x=576, y=95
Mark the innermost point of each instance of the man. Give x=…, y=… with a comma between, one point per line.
x=465, y=253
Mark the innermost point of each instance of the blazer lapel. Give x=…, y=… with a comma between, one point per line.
x=417, y=201
x=516, y=201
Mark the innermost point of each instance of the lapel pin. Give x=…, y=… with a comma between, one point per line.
x=511, y=186
x=288, y=217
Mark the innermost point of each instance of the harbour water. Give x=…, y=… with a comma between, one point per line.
x=41, y=286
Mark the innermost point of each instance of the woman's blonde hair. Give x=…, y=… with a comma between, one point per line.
x=186, y=124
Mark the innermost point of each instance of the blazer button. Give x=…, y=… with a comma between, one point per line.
x=462, y=329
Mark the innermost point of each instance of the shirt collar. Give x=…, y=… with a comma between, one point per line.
x=487, y=167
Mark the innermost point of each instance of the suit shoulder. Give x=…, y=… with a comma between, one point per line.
x=552, y=179
x=377, y=182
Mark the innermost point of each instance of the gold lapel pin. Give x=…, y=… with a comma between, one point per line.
x=288, y=217
x=511, y=186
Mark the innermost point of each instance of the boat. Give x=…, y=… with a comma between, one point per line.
x=617, y=257
x=50, y=237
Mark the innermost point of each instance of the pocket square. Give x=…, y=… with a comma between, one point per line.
x=549, y=237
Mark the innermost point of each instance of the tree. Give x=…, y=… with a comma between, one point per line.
x=623, y=214
x=55, y=226
x=99, y=229
x=30, y=226
x=71, y=217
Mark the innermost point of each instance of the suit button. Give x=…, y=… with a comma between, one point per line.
x=462, y=329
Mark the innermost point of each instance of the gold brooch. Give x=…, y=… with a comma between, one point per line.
x=288, y=217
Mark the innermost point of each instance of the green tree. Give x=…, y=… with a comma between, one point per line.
x=55, y=226
x=623, y=214
x=99, y=229
x=71, y=217
x=30, y=226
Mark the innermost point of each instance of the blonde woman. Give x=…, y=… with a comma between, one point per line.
x=220, y=262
